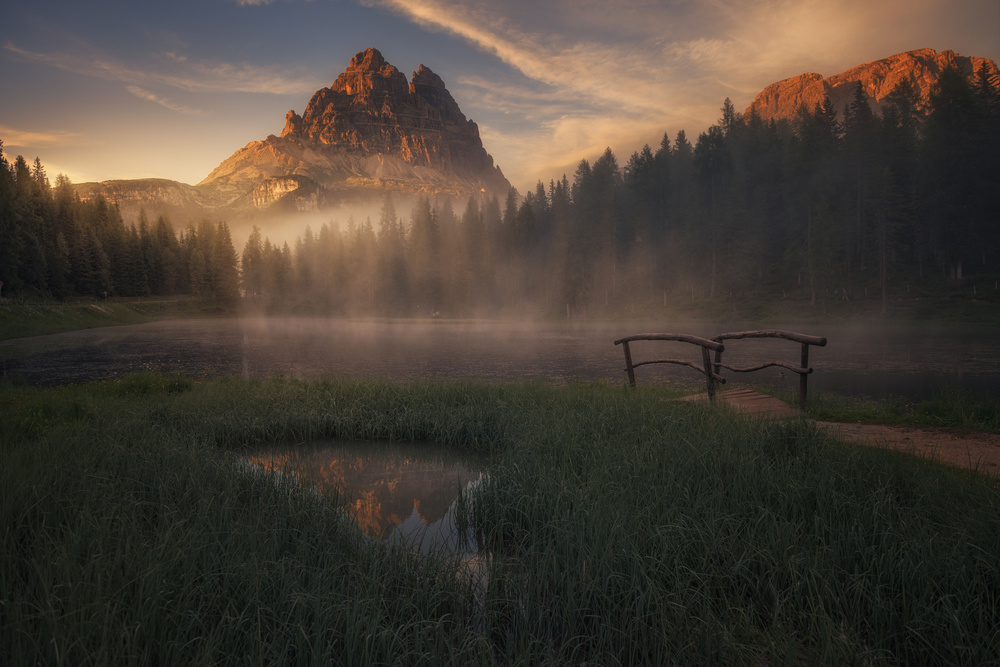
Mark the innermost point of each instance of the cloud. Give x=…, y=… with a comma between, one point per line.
x=178, y=71
x=25, y=139
x=586, y=74
x=144, y=94
x=584, y=86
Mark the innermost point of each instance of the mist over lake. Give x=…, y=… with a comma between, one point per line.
x=876, y=361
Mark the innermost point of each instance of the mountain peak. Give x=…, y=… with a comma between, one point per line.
x=922, y=67
x=369, y=59
x=372, y=129
x=424, y=76
x=368, y=73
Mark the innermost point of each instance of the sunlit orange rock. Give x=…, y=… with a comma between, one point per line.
x=922, y=67
x=369, y=130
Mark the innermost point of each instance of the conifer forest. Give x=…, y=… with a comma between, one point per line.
x=832, y=203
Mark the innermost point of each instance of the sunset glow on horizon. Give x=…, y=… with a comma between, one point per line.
x=122, y=90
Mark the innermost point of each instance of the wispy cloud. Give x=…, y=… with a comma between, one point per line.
x=591, y=69
x=588, y=87
x=144, y=94
x=24, y=138
x=177, y=71
x=622, y=72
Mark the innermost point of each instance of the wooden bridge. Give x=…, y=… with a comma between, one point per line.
x=711, y=367
x=749, y=402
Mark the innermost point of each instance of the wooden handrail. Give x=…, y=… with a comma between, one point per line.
x=711, y=369
x=705, y=344
x=684, y=338
x=803, y=369
x=805, y=339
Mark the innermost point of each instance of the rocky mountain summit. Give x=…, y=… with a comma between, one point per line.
x=371, y=129
x=922, y=67
x=370, y=132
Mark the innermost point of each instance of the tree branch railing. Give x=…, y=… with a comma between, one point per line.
x=707, y=346
x=802, y=369
x=711, y=369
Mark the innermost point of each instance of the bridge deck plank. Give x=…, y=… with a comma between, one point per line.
x=750, y=402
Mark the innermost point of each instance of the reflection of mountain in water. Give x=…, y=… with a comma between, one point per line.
x=380, y=484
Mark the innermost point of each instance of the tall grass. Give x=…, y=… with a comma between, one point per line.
x=945, y=409
x=623, y=529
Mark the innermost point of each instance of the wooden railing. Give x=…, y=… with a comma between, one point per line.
x=710, y=369
x=802, y=369
x=706, y=368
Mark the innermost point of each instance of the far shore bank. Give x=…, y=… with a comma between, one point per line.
x=20, y=319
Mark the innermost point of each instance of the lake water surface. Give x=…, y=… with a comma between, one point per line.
x=908, y=361
x=401, y=493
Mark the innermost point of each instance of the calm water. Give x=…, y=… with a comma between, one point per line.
x=397, y=492
x=876, y=361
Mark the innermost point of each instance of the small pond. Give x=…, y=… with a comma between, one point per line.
x=402, y=493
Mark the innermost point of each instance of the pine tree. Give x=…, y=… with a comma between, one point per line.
x=393, y=285
x=225, y=271
x=252, y=266
x=424, y=247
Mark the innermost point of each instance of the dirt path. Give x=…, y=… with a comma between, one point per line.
x=965, y=449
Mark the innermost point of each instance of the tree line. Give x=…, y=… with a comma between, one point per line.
x=826, y=205
x=53, y=244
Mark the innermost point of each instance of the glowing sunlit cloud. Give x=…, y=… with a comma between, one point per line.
x=198, y=77
x=144, y=94
x=21, y=138
x=623, y=73
x=584, y=94
x=523, y=103
x=595, y=71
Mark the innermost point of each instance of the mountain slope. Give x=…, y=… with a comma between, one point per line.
x=922, y=67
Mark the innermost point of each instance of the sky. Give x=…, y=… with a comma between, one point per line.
x=120, y=89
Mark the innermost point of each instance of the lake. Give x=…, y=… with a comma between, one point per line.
x=875, y=360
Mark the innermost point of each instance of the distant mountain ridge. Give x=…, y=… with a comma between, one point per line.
x=922, y=67
x=370, y=132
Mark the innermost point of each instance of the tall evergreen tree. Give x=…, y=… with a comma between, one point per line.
x=225, y=271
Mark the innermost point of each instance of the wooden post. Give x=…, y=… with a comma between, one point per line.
x=707, y=360
x=628, y=365
x=803, y=377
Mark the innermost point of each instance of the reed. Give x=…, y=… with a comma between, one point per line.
x=621, y=528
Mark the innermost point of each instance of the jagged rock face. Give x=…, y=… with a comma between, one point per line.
x=275, y=190
x=154, y=195
x=371, y=109
x=922, y=67
x=371, y=129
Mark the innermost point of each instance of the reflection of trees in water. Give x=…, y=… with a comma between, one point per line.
x=380, y=485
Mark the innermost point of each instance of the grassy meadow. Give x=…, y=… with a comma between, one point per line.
x=945, y=409
x=620, y=528
x=19, y=320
